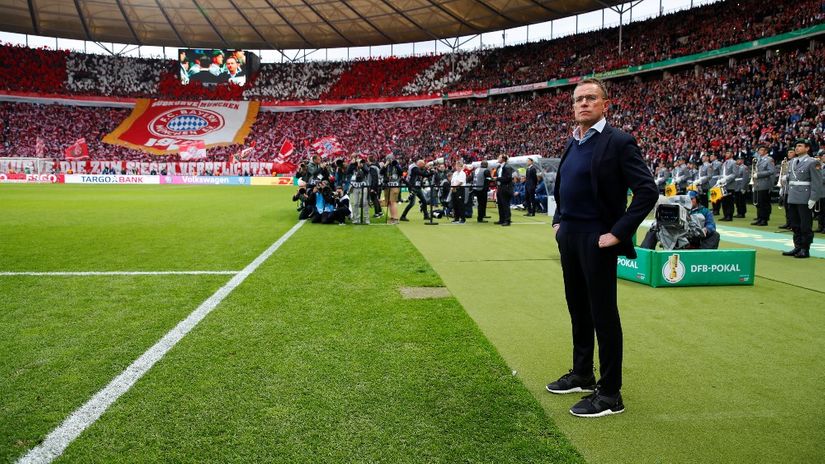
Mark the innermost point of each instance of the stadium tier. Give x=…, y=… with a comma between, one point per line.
x=769, y=99
x=706, y=28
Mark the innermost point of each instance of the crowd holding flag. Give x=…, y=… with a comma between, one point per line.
x=327, y=146
x=78, y=150
x=195, y=149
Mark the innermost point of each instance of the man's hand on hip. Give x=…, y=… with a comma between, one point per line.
x=608, y=240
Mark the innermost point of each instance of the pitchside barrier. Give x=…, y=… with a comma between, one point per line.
x=684, y=268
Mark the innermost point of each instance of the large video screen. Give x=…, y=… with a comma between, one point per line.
x=216, y=66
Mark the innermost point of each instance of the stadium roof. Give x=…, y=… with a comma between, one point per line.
x=278, y=24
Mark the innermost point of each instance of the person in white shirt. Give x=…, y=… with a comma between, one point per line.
x=457, y=183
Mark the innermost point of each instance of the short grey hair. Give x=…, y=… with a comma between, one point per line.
x=597, y=82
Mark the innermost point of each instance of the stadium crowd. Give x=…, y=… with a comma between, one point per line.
x=758, y=100
x=704, y=28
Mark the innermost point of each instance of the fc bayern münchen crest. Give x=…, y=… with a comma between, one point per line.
x=186, y=122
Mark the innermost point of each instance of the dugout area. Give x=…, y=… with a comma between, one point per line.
x=316, y=357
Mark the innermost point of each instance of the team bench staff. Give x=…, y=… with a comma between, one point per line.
x=594, y=225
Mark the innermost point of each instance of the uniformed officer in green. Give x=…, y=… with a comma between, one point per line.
x=804, y=190
x=821, y=206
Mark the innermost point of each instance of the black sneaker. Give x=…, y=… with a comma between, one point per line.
x=598, y=404
x=572, y=383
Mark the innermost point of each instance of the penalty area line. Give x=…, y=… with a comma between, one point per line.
x=60, y=438
x=115, y=273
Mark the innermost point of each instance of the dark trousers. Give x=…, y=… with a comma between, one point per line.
x=801, y=220
x=458, y=203
x=375, y=198
x=741, y=200
x=590, y=288
x=763, y=205
x=481, y=196
x=784, y=201
x=503, y=199
x=415, y=192
x=530, y=199
x=727, y=206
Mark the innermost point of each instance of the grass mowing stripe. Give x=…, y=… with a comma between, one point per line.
x=317, y=358
x=57, y=441
x=115, y=273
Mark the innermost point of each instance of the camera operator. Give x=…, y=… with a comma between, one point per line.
x=392, y=175
x=374, y=183
x=304, y=205
x=342, y=208
x=324, y=202
x=415, y=180
x=698, y=232
x=358, y=174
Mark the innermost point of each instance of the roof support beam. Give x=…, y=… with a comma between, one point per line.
x=452, y=15
x=206, y=16
x=128, y=23
x=496, y=12
x=34, y=16
x=547, y=8
x=243, y=15
x=327, y=22
x=82, y=20
x=363, y=18
x=291, y=26
x=171, y=24
x=413, y=22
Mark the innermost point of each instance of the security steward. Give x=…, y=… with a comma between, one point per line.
x=804, y=190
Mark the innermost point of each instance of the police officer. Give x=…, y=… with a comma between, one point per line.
x=743, y=176
x=375, y=186
x=765, y=173
x=804, y=190
x=726, y=180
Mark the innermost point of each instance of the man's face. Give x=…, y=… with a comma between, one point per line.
x=217, y=59
x=791, y=154
x=728, y=155
x=801, y=149
x=232, y=65
x=589, y=104
x=762, y=151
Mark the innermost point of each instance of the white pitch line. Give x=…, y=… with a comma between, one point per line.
x=116, y=273
x=56, y=442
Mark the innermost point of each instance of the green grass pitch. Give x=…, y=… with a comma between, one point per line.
x=316, y=357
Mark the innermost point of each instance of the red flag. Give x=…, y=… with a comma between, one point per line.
x=195, y=149
x=77, y=150
x=286, y=151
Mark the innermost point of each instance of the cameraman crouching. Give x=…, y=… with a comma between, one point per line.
x=699, y=232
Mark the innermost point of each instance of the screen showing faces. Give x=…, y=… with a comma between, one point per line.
x=216, y=66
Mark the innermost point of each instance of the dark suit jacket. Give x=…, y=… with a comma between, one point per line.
x=532, y=177
x=504, y=179
x=617, y=165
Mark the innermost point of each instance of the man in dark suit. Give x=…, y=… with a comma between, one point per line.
x=530, y=187
x=504, y=190
x=594, y=225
